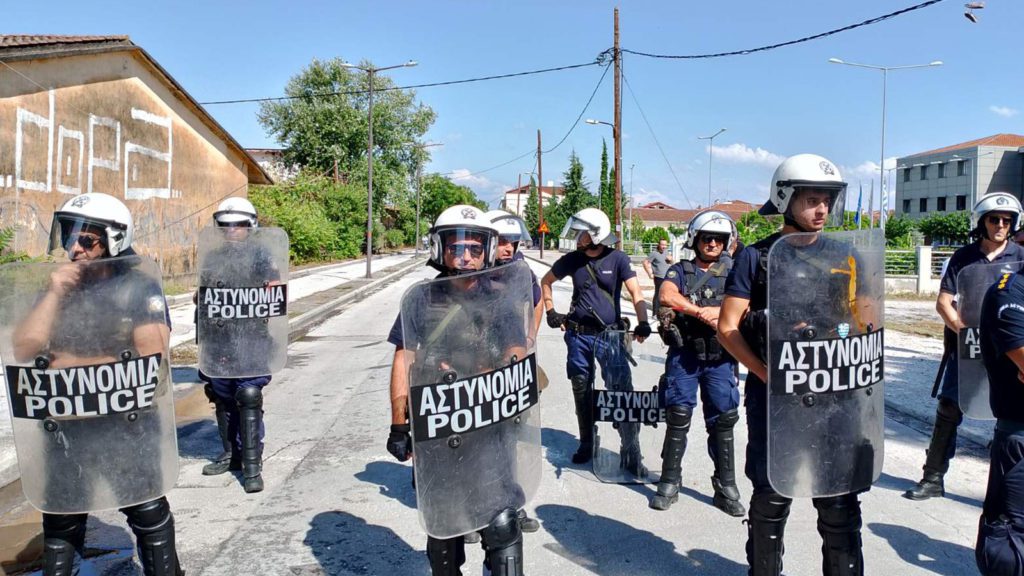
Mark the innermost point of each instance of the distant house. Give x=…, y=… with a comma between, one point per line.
x=663, y=215
x=514, y=200
x=954, y=178
x=272, y=162
x=99, y=114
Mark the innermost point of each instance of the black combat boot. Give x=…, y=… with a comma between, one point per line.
x=678, y=420
x=584, y=419
x=839, y=523
x=503, y=545
x=936, y=464
x=765, y=531
x=221, y=463
x=63, y=535
x=447, y=556
x=250, y=410
x=727, y=495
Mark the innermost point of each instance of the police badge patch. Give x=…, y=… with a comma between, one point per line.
x=469, y=213
x=80, y=201
x=826, y=168
x=672, y=274
x=843, y=329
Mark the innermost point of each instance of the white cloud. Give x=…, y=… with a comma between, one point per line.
x=643, y=196
x=485, y=188
x=865, y=170
x=742, y=154
x=1004, y=111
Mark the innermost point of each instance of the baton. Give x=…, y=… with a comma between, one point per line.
x=938, y=375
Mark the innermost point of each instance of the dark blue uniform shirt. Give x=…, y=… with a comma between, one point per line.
x=591, y=304
x=972, y=254
x=1002, y=330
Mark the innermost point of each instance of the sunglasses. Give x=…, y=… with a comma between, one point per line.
x=1000, y=220
x=87, y=242
x=239, y=224
x=475, y=250
x=709, y=238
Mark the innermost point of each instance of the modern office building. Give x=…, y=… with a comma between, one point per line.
x=952, y=178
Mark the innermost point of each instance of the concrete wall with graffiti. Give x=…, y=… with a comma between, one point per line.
x=107, y=123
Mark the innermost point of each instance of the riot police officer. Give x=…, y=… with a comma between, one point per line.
x=89, y=309
x=437, y=334
x=804, y=190
x=691, y=296
x=598, y=273
x=994, y=219
x=238, y=402
x=512, y=234
x=1001, y=527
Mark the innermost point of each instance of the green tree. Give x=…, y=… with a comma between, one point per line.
x=753, y=227
x=677, y=231
x=898, y=232
x=576, y=195
x=531, y=214
x=636, y=227
x=655, y=235
x=946, y=228
x=440, y=193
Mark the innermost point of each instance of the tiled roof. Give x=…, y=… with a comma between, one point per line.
x=549, y=190
x=34, y=40
x=734, y=208
x=1009, y=140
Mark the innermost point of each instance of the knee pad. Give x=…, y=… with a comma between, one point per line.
x=580, y=383
x=769, y=506
x=67, y=527
x=727, y=420
x=949, y=411
x=149, y=517
x=249, y=397
x=679, y=416
x=210, y=394
x=839, y=514
x=503, y=531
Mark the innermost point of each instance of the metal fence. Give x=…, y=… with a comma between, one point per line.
x=901, y=263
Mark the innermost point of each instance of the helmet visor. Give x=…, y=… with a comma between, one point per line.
x=465, y=249
x=835, y=190
x=67, y=231
x=233, y=217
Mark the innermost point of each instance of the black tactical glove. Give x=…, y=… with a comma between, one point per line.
x=555, y=320
x=400, y=442
x=642, y=330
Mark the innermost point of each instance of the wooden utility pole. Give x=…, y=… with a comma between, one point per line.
x=617, y=135
x=540, y=196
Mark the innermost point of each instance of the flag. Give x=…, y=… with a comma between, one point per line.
x=884, y=192
x=860, y=195
x=871, y=206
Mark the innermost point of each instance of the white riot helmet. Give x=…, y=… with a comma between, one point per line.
x=713, y=222
x=458, y=223
x=92, y=210
x=996, y=202
x=235, y=211
x=803, y=171
x=593, y=221
x=510, y=227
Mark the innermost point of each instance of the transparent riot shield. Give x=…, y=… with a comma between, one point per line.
x=971, y=285
x=473, y=392
x=85, y=353
x=825, y=362
x=627, y=411
x=242, y=317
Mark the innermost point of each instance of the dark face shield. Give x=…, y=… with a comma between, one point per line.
x=66, y=232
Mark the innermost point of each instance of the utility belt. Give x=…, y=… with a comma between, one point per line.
x=676, y=331
x=591, y=330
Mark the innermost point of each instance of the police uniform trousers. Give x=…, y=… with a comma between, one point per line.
x=583, y=352
x=1000, y=546
x=719, y=391
x=949, y=392
x=839, y=517
x=225, y=389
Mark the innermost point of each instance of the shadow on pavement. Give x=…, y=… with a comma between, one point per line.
x=901, y=485
x=346, y=544
x=919, y=549
x=393, y=479
x=622, y=550
x=199, y=439
x=561, y=445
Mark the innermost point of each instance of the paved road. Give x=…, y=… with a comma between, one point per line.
x=336, y=503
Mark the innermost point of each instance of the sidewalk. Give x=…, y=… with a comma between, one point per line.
x=313, y=295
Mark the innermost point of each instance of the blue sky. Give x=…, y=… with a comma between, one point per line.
x=773, y=104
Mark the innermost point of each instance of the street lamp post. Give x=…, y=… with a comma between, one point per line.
x=711, y=151
x=617, y=226
x=885, y=74
x=419, y=188
x=370, y=72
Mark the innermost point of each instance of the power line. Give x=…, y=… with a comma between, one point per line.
x=790, y=42
x=655, y=137
x=582, y=112
x=599, y=60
